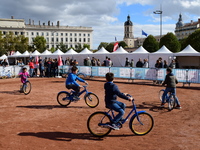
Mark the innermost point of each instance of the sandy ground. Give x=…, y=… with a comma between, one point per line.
x=37, y=122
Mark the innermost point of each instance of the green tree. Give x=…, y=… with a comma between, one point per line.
x=2, y=49
x=62, y=47
x=78, y=48
x=40, y=43
x=122, y=44
x=9, y=42
x=103, y=44
x=21, y=43
x=171, y=42
x=150, y=44
x=193, y=40
x=110, y=47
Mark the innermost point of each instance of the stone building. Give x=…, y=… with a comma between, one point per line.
x=70, y=36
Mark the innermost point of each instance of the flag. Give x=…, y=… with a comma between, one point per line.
x=143, y=33
x=60, y=61
x=12, y=52
x=115, y=45
x=36, y=60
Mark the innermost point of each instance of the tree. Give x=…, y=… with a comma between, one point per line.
x=21, y=43
x=62, y=47
x=2, y=50
x=103, y=44
x=150, y=44
x=122, y=44
x=193, y=40
x=171, y=42
x=110, y=47
x=40, y=43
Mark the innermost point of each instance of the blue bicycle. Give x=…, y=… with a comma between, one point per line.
x=170, y=99
x=140, y=123
x=26, y=87
x=64, y=98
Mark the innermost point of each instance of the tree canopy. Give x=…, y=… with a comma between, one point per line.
x=150, y=44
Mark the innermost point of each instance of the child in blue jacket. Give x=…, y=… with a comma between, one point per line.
x=71, y=82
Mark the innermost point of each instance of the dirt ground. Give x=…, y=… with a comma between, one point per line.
x=37, y=122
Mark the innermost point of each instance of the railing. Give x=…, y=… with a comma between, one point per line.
x=183, y=75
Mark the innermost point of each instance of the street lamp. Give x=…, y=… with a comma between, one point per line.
x=160, y=13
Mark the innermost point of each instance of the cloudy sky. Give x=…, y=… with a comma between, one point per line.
x=106, y=17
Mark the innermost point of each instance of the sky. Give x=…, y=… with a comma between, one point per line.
x=106, y=17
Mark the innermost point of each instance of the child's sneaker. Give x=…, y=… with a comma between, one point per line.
x=162, y=105
x=178, y=107
x=76, y=98
x=113, y=126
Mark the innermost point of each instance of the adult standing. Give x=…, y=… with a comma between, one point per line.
x=31, y=67
x=139, y=64
x=127, y=63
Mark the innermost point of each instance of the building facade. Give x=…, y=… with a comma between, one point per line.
x=70, y=36
x=183, y=30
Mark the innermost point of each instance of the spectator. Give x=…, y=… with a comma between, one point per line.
x=94, y=62
x=172, y=64
x=106, y=62
x=165, y=65
x=4, y=63
x=146, y=63
x=20, y=63
x=161, y=63
x=67, y=61
x=41, y=67
x=158, y=64
x=132, y=63
x=31, y=67
x=88, y=62
x=98, y=62
x=127, y=63
x=110, y=63
x=139, y=63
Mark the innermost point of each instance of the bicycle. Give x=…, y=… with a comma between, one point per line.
x=64, y=98
x=140, y=123
x=26, y=87
x=170, y=99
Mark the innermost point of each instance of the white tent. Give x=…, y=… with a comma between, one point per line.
x=71, y=51
x=188, y=51
x=35, y=53
x=16, y=54
x=46, y=52
x=102, y=51
x=26, y=53
x=164, y=50
x=58, y=52
x=4, y=57
x=120, y=50
x=140, y=50
x=85, y=51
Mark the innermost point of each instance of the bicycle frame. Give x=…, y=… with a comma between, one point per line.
x=111, y=114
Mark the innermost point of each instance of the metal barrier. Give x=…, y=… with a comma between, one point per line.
x=186, y=76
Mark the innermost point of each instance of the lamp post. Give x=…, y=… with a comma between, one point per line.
x=160, y=13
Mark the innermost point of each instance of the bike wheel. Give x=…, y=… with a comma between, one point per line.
x=27, y=88
x=141, y=124
x=171, y=103
x=92, y=100
x=160, y=94
x=97, y=124
x=63, y=98
x=81, y=75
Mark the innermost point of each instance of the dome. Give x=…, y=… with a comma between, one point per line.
x=180, y=22
x=128, y=22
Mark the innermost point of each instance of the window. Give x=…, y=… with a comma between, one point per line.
x=4, y=32
x=75, y=34
x=70, y=34
x=66, y=46
x=56, y=39
x=47, y=39
x=75, y=40
x=79, y=34
x=84, y=40
x=32, y=33
x=66, y=39
x=83, y=34
x=37, y=33
x=61, y=34
x=16, y=33
x=79, y=39
x=47, y=33
x=88, y=39
x=52, y=39
x=70, y=39
x=89, y=35
x=57, y=34
x=42, y=33
x=65, y=34
x=61, y=39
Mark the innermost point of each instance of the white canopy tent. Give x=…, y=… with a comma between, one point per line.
x=26, y=53
x=140, y=50
x=58, y=52
x=71, y=51
x=102, y=51
x=188, y=58
x=35, y=53
x=85, y=51
x=16, y=54
x=163, y=52
x=120, y=50
x=4, y=57
x=46, y=52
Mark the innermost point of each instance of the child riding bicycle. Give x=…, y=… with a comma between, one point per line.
x=24, y=75
x=170, y=81
x=111, y=93
x=71, y=82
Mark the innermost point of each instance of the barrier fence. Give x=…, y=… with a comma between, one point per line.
x=183, y=75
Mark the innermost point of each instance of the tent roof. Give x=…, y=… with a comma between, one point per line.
x=71, y=51
x=102, y=51
x=140, y=50
x=188, y=49
x=35, y=53
x=26, y=53
x=17, y=54
x=85, y=51
x=58, y=52
x=120, y=50
x=163, y=50
x=46, y=52
x=3, y=57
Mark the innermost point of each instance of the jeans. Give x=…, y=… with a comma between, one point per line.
x=118, y=107
x=31, y=72
x=173, y=91
x=74, y=87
